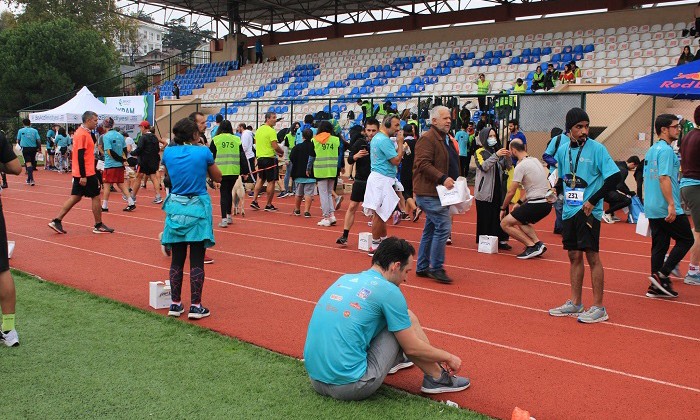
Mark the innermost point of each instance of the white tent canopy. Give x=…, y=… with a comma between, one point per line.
x=72, y=111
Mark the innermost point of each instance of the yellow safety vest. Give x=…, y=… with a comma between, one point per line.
x=228, y=156
x=326, y=162
x=482, y=87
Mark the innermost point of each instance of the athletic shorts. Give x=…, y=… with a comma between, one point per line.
x=270, y=174
x=149, y=166
x=384, y=353
x=132, y=161
x=29, y=155
x=581, y=233
x=91, y=188
x=4, y=260
x=531, y=213
x=691, y=197
x=358, y=191
x=113, y=175
x=63, y=150
x=305, y=189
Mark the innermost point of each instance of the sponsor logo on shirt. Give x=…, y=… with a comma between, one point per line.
x=331, y=308
x=356, y=306
x=337, y=298
x=353, y=280
x=346, y=314
x=364, y=293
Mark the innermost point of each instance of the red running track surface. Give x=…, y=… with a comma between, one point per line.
x=270, y=268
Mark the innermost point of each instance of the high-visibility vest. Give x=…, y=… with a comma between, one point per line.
x=520, y=89
x=366, y=109
x=414, y=122
x=482, y=88
x=504, y=100
x=228, y=156
x=537, y=78
x=326, y=162
x=381, y=112
x=291, y=139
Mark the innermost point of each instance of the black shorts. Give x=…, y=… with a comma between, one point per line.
x=4, y=261
x=358, y=191
x=149, y=166
x=91, y=189
x=581, y=233
x=132, y=161
x=29, y=155
x=63, y=151
x=530, y=213
x=270, y=174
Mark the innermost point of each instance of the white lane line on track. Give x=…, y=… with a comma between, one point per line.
x=464, y=337
x=231, y=232
x=463, y=296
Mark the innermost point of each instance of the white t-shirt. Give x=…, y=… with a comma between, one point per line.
x=247, y=142
x=533, y=177
x=130, y=145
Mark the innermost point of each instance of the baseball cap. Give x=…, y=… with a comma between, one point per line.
x=145, y=124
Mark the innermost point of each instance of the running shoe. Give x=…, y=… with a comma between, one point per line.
x=9, y=338
x=324, y=222
x=445, y=383
x=608, y=218
x=307, y=214
x=692, y=279
x=343, y=241
x=296, y=212
x=655, y=292
x=405, y=216
x=663, y=283
x=440, y=276
x=229, y=219
x=567, y=309
x=270, y=207
x=176, y=309
x=282, y=194
x=105, y=210
x=614, y=218
x=102, y=228
x=158, y=200
x=416, y=215
x=31, y=183
x=131, y=207
x=198, y=312
x=333, y=220
x=338, y=201
x=396, y=217
x=403, y=364
x=223, y=223
x=208, y=259
x=255, y=205
x=593, y=314
x=528, y=253
x=56, y=225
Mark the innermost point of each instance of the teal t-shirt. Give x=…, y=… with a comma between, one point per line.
x=660, y=160
x=551, y=148
x=62, y=141
x=113, y=141
x=348, y=316
x=50, y=136
x=381, y=150
x=28, y=137
x=214, y=130
x=593, y=167
x=298, y=138
x=462, y=138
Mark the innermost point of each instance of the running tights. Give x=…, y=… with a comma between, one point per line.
x=179, y=253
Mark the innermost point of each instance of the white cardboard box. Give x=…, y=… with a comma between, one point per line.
x=364, y=241
x=159, y=294
x=10, y=248
x=488, y=244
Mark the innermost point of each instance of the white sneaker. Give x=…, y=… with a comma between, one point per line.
x=324, y=222
x=615, y=219
x=229, y=219
x=223, y=223
x=332, y=220
x=608, y=218
x=11, y=339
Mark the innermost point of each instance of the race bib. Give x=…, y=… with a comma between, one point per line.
x=573, y=196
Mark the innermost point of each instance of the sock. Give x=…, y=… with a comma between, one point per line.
x=197, y=305
x=693, y=269
x=383, y=238
x=346, y=232
x=8, y=322
x=129, y=201
x=104, y=204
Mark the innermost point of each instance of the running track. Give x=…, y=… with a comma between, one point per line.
x=270, y=268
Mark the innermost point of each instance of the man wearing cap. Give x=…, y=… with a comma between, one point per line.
x=588, y=173
x=148, y=155
x=115, y=159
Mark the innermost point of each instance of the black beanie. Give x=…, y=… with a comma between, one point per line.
x=575, y=116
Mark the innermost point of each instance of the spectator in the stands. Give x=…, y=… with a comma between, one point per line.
x=258, y=51
x=619, y=198
x=686, y=56
x=176, y=90
x=575, y=69
x=568, y=75
x=483, y=88
x=537, y=80
x=241, y=53
x=520, y=86
x=551, y=77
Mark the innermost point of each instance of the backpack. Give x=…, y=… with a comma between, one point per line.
x=635, y=208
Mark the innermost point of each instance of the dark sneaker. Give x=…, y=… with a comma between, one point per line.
x=440, y=276
x=663, y=284
x=176, y=309
x=343, y=240
x=504, y=246
x=655, y=292
x=102, y=228
x=416, y=215
x=446, y=383
x=130, y=208
x=296, y=212
x=542, y=248
x=55, y=224
x=255, y=205
x=406, y=216
x=270, y=207
x=198, y=312
x=403, y=364
x=105, y=210
x=307, y=214
x=422, y=273
x=530, y=252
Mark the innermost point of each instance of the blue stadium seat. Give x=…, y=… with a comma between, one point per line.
x=471, y=55
x=566, y=58
x=566, y=50
x=556, y=58
x=515, y=60
x=588, y=48
x=526, y=52
x=498, y=54
x=578, y=49
x=546, y=50
x=537, y=51
x=488, y=54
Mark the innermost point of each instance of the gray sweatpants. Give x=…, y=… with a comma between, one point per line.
x=325, y=194
x=384, y=353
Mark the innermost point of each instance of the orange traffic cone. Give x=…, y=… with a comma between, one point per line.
x=520, y=414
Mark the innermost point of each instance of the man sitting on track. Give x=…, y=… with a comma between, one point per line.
x=361, y=330
x=531, y=176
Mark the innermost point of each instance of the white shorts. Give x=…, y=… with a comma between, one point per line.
x=380, y=196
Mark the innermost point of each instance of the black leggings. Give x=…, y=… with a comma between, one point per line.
x=177, y=266
x=227, y=183
x=616, y=201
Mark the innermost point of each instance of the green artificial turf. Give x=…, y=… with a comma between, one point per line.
x=83, y=356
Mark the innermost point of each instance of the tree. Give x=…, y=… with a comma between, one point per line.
x=140, y=81
x=42, y=60
x=184, y=38
x=7, y=20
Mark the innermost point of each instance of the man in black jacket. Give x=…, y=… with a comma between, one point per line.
x=359, y=155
